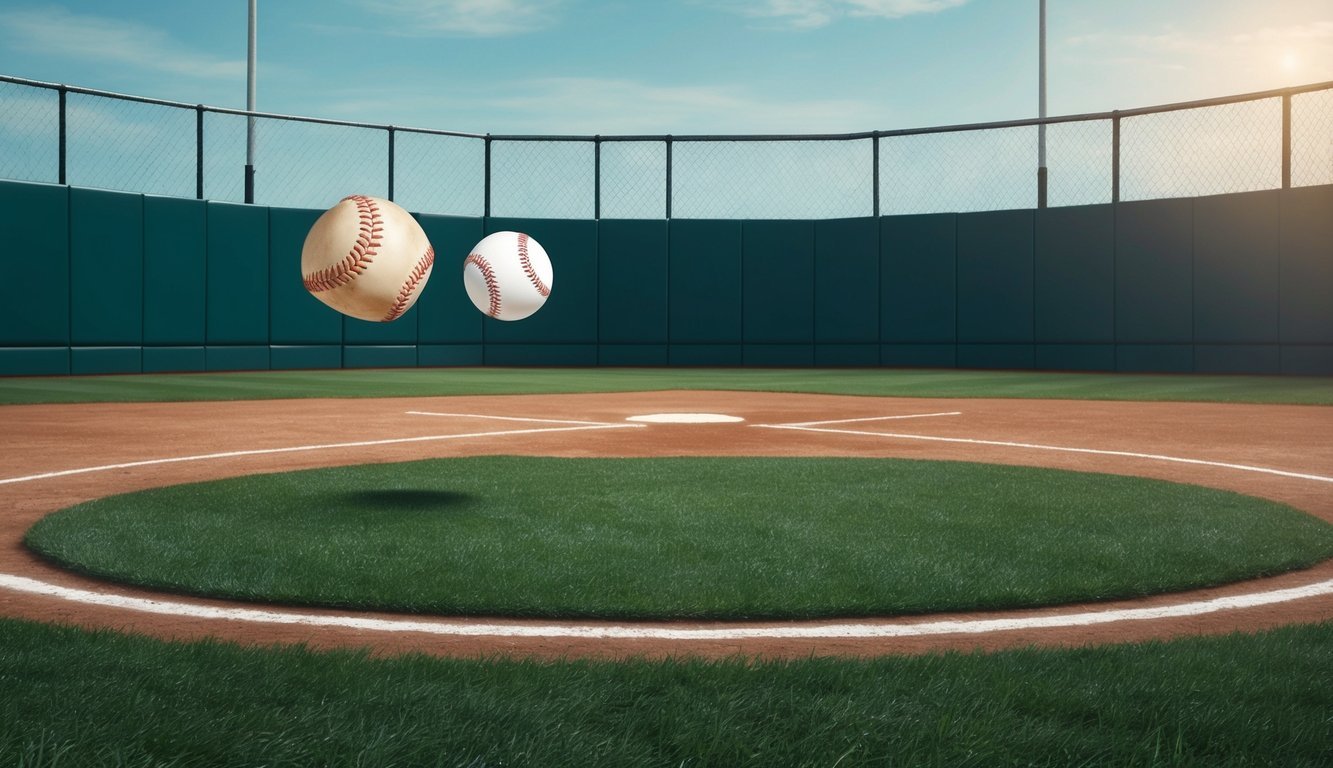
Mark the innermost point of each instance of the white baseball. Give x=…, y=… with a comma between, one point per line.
x=367, y=258
x=508, y=276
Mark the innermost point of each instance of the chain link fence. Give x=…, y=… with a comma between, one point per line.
x=67, y=135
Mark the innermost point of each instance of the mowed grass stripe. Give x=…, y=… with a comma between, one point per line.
x=681, y=538
x=428, y=382
x=81, y=698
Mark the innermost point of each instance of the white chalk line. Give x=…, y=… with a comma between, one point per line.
x=870, y=418
x=622, y=632
x=613, y=632
x=1065, y=449
x=300, y=448
x=512, y=418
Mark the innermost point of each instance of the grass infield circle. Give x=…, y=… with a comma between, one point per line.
x=680, y=538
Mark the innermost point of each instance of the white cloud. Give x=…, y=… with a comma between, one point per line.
x=810, y=14
x=56, y=31
x=465, y=18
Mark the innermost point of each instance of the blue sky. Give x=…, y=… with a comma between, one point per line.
x=679, y=66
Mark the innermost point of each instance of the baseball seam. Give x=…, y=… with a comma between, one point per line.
x=409, y=286
x=542, y=289
x=487, y=274
x=362, y=254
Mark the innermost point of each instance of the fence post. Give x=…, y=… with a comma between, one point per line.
x=874, y=173
x=1115, y=156
x=391, y=135
x=596, y=177
x=199, y=152
x=668, y=177
x=60, y=139
x=1286, y=140
x=486, y=206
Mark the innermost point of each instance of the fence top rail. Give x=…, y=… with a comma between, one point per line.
x=862, y=135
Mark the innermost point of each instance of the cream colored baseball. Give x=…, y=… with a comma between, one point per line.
x=367, y=258
x=508, y=276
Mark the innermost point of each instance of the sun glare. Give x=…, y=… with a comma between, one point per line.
x=1291, y=62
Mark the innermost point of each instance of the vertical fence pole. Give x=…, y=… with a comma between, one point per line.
x=1041, y=106
x=391, y=135
x=874, y=173
x=60, y=139
x=1286, y=140
x=199, y=152
x=668, y=177
x=1115, y=156
x=596, y=177
x=486, y=205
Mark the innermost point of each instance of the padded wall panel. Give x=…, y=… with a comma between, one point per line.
x=1154, y=284
x=1074, y=282
x=705, y=354
x=175, y=248
x=570, y=313
x=1075, y=357
x=1307, y=359
x=1154, y=358
x=34, y=296
x=106, y=243
x=1001, y=356
x=632, y=282
x=238, y=275
x=436, y=355
x=541, y=354
x=445, y=315
x=919, y=355
x=34, y=361
x=296, y=318
x=995, y=278
x=653, y=355
x=778, y=355
x=91, y=360
x=704, y=284
x=236, y=358
x=314, y=356
x=1236, y=269
x=846, y=355
x=777, y=282
x=1306, y=252
x=1238, y=358
x=846, y=276
x=173, y=359
x=918, y=279
x=380, y=356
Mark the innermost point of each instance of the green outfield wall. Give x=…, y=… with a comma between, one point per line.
x=110, y=282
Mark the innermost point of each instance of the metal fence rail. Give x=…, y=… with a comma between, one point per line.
x=69, y=135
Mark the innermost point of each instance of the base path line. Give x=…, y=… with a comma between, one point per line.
x=300, y=448
x=509, y=418
x=870, y=418
x=444, y=627
x=1065, y=449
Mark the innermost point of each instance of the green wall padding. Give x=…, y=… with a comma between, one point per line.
x=106, y=243
x=778, y=355
x=653, y=355
x=1238, y=358
x=376, y=356
x=705, y=354
x=778, y=285
x=995, y=279
x=34, y=361
x=238, y=274
x=919, y=355
x=1074, y=281
x=1306, y=249
x=173, y=359
x=918, y=278
x=1307, y=359
x=175, y=240
x=569, y=315
x=236, y=358
x=846, y=277
x=632, y=283
x=449, y=354
x=1075, y=357
x=445, y=316
x=997, y=356
x=541, y=354
x=295, y=317
x=1155, y=358
x=1236, y=270
x=93, y=360
x=704, y=286
x=34, y=296
x=847, y=355
x=297, y=357
x=1154, y=284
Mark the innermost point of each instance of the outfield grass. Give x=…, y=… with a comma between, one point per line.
x=79, y=698
x=715, y=538
x=487, y=381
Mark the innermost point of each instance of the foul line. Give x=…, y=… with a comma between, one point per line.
x=1066, y=449
x=514, y=418
x=300, y=448
x=869, y=418
x=621, y=632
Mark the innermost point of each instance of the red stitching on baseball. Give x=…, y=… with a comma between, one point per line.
x=410, y=285
x=363, y=250
x=542, y=288
x=487, y=274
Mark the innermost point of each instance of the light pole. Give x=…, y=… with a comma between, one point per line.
x=1041, y=105
x=250, y=107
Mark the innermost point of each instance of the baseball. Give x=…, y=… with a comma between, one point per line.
x=508, y=276
x=367, y=258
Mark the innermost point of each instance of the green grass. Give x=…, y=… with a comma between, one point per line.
x=482, y=381
x=722, y=538
x=78, y=698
